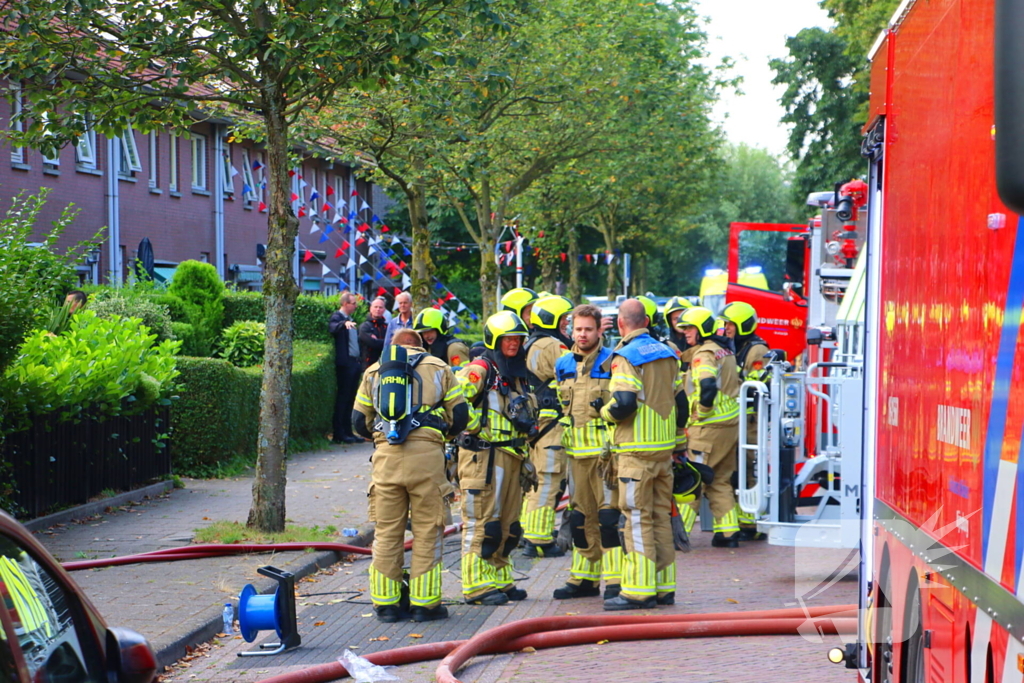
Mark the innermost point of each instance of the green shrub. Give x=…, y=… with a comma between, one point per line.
x=175, y=307
x=241, y=344
x=199, y=287
x=216, y=418
x=191, y=345
x=153, y=315
x=312, y=312
x=32, y=279
x=100, y=367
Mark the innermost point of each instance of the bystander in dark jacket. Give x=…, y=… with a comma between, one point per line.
x=372, y=332
x=348, y=367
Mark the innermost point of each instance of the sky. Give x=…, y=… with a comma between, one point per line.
x=752, y=32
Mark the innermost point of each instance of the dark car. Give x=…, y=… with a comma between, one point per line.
x=49, y=631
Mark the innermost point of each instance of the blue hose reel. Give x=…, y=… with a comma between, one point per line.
x=275, y=611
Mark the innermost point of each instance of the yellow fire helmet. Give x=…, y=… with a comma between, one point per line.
x=650, y=308
x=699, y=317
x=430, y=319
x=517, y=299
x=548, y=310
x=743, y=315
x=503, y=324
x=676, y=303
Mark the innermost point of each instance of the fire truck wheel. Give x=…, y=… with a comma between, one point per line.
x=912, y=661
x=884, y=636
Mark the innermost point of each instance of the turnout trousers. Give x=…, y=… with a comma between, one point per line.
x=717, y=450
x=491, y=500
x=645, y=497
x=549, y=457
x=408, y=481
x=594, y=521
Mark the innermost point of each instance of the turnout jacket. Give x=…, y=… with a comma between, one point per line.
x=489, y=395
x=712, y=361
x=583, y=379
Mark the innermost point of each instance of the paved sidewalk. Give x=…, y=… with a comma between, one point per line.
x=178, y=605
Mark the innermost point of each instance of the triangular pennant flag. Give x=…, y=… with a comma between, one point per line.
x=374, y=219
x=291, y=173
x=588, y=258
x=302, y=211
x=364, y=206
x=449, y=296
x=262, y=206
x=364, y=227
x=327, y=207
x=314, y=195
x=307, y=256
x=352, y=215
x=344, y=244
x=403, y=265
x=263, y=183
x=397, y=291
x=462, y=307
x=394, y=241
x=324, y=238
x=328, y=229
x=385, y=228
x=312, y=209
x=360, y=241
x=438, y=286
x=338, y=218
x=302, y=183
x=563, y=256
x=330, y=191
x=256, y=165
x=295, y=197
x=381, y=291
x=234, y=171
x=406, y=252
x=314, y=228
x=339, y=252
x=246, y=189
x=354, y=193
x=406, y=281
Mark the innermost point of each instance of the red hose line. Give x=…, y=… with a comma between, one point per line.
x=607, y=630
x=718, y=626
x=194, y=552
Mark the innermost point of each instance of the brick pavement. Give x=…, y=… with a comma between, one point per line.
x=178, y=604
x=755, y=577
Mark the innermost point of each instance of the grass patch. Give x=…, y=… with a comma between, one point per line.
x=233, y=532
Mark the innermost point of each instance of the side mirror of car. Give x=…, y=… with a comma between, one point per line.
x=129, y=657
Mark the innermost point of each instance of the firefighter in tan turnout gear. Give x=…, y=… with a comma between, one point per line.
x=583, y=378
x=712, y=386
x=644, y=387
x=547, y=343
x=433, y=327
x=751, y=351
x=492, y=471
x=408, y=403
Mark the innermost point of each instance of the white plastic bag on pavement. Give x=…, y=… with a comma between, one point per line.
x=363, y=670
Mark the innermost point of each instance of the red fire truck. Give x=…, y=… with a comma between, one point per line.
x=943, y=481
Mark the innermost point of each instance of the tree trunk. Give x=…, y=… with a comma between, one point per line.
x=575, y=288
x=487, y=221
x=279, y=291
x=548, y=271
x=422, y=264
x=607, y=230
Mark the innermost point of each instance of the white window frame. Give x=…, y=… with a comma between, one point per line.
x=339, y=194
x=131, y=161
x=172, y=182
x=49, y=161
x=154, y=155
x=85, y=146
x=247, y=178
x=199, y=181
x=261, y=192
x=17, y=125
x=227, y=180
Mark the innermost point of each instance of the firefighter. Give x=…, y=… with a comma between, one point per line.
x=740, y=325
x=433, y=327
x=713, y=385
x=674, y=308
x=583, y=377
x=643, y=407
x=653, y=317
x=547, y=343
x=520, y=301
x=408, y=471
x=492, y=471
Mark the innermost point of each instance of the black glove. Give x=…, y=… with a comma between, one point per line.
x=528, y=477
x=521, y=416
x=597, y=404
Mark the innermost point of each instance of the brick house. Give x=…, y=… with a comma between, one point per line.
x=196, y=198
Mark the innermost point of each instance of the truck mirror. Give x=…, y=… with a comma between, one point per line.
x=1009, y=103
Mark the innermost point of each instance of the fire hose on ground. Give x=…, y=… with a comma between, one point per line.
x=547, y=632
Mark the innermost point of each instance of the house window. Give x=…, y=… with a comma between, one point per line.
x=130, y=160
x=49, y=160
x=172, y=160
x=154, y=150
x=198, y=162
x=85, y=148
x=228, y=172
x=339, y=195
x=247, y=180
x=17, y=125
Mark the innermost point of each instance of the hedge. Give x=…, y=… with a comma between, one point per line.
x=312, y=311
x=216, y=417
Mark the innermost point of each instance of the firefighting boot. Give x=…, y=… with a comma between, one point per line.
x=720, y=540
x=586, y=589
x=620, y=603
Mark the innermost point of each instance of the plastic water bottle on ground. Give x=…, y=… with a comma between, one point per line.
x=229, y=618
x=349, y=532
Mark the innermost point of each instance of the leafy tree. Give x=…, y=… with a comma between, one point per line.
x=202, y=291
x=114, y=62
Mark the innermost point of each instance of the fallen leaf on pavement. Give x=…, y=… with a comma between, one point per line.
x=415, y=635
x=571, y=614
x=735, y=602
x=529, y=648
x=368, y=614
x=602, y=642
x=379, y=639
x=319, y=623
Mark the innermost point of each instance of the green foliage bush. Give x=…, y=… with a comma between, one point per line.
x=241, y=344
x=99, y=367
x=217, y=416
x=32, y=279
x=312, y=311
x=175, y=306
x=153, y=315
x=191, y=345
x=199, y=287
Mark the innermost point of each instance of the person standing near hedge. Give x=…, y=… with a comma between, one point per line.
x=403, y=319
x=348, y=366
x=372, y=332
